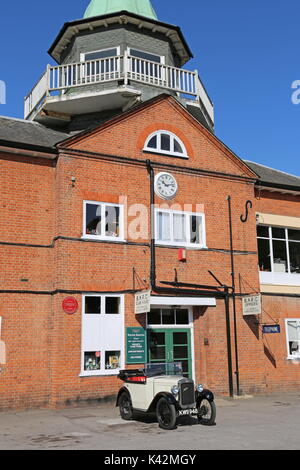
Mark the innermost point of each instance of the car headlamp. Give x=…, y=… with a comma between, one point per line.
x=200, y=388
x=175, y=390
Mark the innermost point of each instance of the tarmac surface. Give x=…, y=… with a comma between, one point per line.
x=248, y=423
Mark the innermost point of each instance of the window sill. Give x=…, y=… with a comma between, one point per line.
x=279, y=279
x=178, y=245
x=99, y=373
x=293, y=358
x=103, y=239
x=166, y=154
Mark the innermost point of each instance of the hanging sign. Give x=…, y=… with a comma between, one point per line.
x=142, y=302
x=135, y=345
x=267, y=329
x=252, y=305
x=70, y=305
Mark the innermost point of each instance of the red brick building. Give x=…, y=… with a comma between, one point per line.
x=117, y=185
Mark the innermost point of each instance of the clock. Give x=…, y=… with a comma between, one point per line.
x=165, y=185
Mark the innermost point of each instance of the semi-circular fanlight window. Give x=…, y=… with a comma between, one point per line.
x=166, y=143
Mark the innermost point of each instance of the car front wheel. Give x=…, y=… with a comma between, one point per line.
x=166, y=414
x=206, y=412
x=125, y=407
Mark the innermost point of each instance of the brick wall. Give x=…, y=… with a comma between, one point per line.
x=43, y=207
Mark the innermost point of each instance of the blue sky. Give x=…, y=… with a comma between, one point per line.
x=247, y=54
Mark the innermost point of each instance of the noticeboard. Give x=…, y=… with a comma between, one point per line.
x=252, y=305
x=142, y=302
x=135, y=345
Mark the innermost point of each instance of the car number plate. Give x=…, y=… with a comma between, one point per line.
x=190, y=411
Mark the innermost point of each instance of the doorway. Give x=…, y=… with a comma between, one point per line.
x=171, y=345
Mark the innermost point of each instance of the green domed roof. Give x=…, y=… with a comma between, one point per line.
x=105, y=7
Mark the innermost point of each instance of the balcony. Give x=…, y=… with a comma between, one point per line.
x=109, y=83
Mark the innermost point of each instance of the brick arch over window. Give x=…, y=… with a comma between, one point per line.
x=158, y=127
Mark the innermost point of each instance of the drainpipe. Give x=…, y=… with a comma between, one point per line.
x=233, y=299
x=153, y=254
x=186, y=291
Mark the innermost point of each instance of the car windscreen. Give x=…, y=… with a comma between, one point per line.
x=163, y=368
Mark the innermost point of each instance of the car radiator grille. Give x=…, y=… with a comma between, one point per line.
x=187, y=393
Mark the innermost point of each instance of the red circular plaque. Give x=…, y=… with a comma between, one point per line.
x=70, y=305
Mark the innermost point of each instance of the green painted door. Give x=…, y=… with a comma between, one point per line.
x=171, y=345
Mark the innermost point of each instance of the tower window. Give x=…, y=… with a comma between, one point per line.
x=166, y=143
x=146, y=56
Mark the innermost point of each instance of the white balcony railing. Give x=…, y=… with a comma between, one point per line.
x=60, y=80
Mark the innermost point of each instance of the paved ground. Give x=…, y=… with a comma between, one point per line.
x=264, y=422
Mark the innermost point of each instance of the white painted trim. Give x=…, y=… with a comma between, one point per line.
x=120, y=238
x=289, y=356
x=166, y=152
x=194, y=246
x=102, y=317
x=183, y=301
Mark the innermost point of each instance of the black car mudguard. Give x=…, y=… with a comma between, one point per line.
x=168, y=396
x=207, y=394
x=123, y=389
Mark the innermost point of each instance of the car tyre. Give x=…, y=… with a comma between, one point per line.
x=166, y=414
x=125, y=407
x=206, y=412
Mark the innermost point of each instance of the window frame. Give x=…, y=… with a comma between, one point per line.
x=161, y=151
x=103, y=348
x=165, y=325
x=83, y=54
x=174, y=243
x=120, y=238
x=290, y=356
x=162, y=57
x=270, y=238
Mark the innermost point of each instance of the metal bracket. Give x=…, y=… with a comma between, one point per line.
x=247, y=205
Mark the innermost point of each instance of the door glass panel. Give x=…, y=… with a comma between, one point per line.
x=168, y=317
x=185, y=368
x=180, y=352
x=157, y=346
x=180, y=338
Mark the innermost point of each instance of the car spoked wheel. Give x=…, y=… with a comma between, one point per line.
x=206, y=412
x=166, y=414
x=125, y=407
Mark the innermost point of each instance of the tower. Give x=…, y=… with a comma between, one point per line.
x=118, y=55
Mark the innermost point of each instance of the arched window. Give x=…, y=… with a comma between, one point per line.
x=167, y=143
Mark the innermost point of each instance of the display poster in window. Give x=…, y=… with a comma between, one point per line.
x=252, y=305
x=142, y=302
x=135, y=345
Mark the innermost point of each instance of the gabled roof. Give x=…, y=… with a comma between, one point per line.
x=19, y=132
x=274, y=178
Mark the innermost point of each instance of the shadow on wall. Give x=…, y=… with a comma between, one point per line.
x=253, y=325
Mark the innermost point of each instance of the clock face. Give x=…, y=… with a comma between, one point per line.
x=165, y=185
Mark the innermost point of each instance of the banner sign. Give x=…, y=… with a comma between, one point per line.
x=142, y=302
x=135, y=346
x=252, y=305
